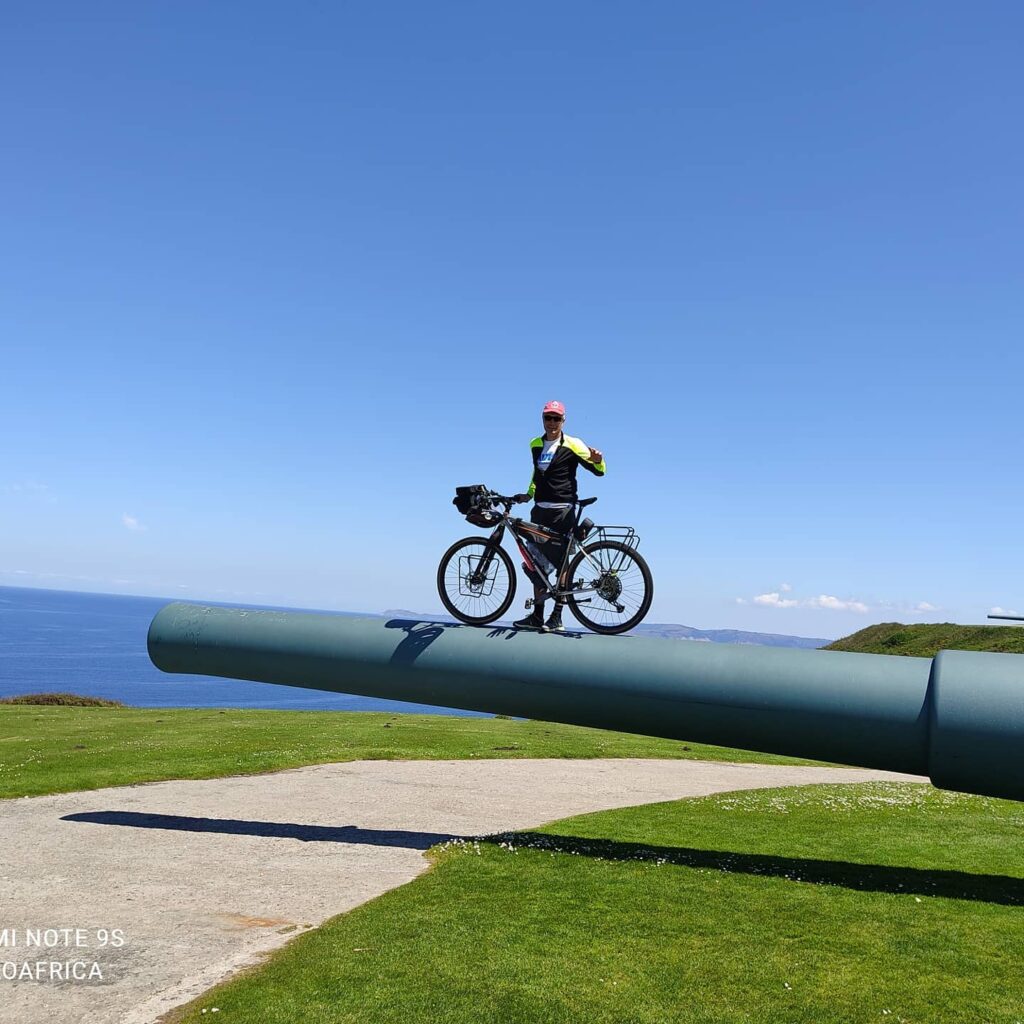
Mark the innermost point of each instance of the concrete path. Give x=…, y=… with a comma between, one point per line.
x=200, y=878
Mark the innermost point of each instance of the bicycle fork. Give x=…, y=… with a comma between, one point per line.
x=484, y=565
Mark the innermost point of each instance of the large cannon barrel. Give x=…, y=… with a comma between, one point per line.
x=958, y=718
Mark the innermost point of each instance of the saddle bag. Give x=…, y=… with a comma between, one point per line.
x=582, y=531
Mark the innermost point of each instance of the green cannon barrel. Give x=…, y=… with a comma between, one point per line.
x=958, y=718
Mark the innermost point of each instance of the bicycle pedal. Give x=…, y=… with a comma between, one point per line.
x=529, y=602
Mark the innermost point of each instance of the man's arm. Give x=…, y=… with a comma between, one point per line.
x=590, y=458
x=537, y=442
x=595, y=463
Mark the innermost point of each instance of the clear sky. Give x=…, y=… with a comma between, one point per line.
x=275, y=278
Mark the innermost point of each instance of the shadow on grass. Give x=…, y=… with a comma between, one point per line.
x=961, y=885
x=269, y=829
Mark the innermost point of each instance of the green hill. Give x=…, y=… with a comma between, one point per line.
x=925, y=640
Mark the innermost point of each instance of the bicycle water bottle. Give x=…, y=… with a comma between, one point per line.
x=539, y=558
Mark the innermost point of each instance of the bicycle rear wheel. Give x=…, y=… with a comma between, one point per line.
x=476, y=581
x=617, y=587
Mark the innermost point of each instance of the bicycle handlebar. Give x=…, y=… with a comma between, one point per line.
x=504, y=499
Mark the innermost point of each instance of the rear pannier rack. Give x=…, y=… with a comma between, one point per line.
x=623, y=534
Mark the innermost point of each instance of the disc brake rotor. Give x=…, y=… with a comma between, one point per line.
x=609, y=586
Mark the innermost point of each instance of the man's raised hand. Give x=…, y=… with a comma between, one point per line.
x=595, y=456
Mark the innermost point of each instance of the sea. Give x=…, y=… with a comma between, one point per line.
x=95, y=645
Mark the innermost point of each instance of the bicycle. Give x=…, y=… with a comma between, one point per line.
x=477, y=580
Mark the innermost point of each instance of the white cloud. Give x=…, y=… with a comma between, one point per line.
x=131, y=523
x=775, y=600
x=26, y=487
x=837, y=604
x=902, y=608
x=832, y=603
x=1002, y=611
x=30, y=490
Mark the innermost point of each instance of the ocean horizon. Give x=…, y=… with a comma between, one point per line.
x=95, y=645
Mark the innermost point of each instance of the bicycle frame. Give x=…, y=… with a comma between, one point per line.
x=542, y=534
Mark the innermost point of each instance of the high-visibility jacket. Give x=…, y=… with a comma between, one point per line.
x=557, y=484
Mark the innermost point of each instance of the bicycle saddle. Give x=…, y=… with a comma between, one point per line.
x=586, y=501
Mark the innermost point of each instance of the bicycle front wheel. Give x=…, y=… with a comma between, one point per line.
x=476, y=581
x=613, y=587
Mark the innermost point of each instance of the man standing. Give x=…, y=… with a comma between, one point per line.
x=556, y=457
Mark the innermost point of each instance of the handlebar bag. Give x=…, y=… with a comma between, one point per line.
x=467, y=498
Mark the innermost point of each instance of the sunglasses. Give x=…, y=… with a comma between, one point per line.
x=557, y=419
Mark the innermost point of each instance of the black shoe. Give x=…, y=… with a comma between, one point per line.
x=535, y=620
x=554, y=623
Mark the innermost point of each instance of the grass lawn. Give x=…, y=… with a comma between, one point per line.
x=879, y=902
x=46, y=749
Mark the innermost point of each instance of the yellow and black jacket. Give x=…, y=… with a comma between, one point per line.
x=557, y=483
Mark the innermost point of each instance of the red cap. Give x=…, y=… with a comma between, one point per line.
x=555, y=407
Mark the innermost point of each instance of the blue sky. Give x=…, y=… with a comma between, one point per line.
x=276, y=278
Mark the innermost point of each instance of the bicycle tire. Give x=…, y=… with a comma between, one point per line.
x=450, y=606
x=627, y=553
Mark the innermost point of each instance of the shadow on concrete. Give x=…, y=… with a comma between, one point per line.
x=961, y=885
x=268, y=829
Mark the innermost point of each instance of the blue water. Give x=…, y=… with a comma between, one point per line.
x=95, y=645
